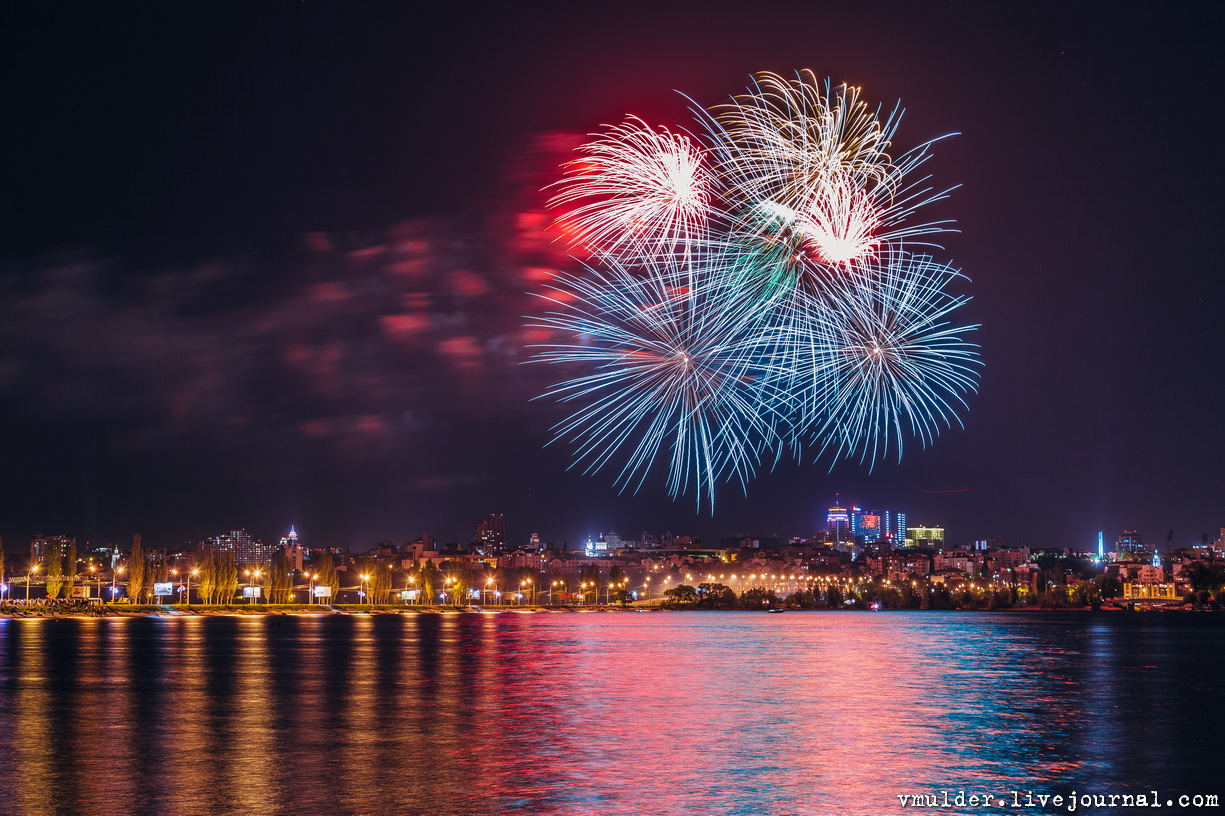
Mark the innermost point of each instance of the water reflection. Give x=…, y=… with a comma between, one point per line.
x=598, y=713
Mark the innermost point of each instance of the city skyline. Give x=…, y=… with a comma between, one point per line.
x=272, y=267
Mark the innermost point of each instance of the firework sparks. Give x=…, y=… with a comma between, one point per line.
x=667, y=369
x=753, y=292
x=638, y=191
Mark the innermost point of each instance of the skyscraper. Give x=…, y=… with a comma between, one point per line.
x=491, y=534
x=893, y=526
x=838, y=524
x=865, y=526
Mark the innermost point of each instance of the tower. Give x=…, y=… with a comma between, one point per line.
x=838, y=524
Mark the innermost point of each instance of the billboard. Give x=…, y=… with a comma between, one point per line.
x=251, y=591
x=323, y=591
x=160, y=588
x=409, y=594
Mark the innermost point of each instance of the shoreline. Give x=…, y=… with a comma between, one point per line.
x=269, y=610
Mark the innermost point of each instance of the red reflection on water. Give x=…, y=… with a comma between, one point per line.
x=561, y=713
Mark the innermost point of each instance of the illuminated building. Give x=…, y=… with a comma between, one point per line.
x=491, y=534
x=292, y=548
x=865, y=526
x=42, y=546
x=893, y=526
x=246, y=550
x=838, y=523
x=925, y=537
x=1129, y=542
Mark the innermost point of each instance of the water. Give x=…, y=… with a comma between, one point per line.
x=604, y=713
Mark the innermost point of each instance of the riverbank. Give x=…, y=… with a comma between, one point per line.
x=37, y=610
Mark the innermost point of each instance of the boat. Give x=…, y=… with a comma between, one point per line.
x=775, y=610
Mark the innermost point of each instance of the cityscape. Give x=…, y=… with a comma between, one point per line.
x=628, y=409
x=864, y=559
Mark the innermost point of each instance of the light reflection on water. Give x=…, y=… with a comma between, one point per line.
x=571, y=714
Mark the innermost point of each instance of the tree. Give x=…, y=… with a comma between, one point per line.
x=280, y=580
x=756, y=598
x=227, y=577
x=55, y=572
x=683, y=594
x=378, y=581
x=1108, y=586
x=461, y=580
x=136, y=570
x=428, y=579
x=328, y=577
x=1207, y=575
x=70, y=570
x=715, y=596
x=206, y=580
x=1, y=559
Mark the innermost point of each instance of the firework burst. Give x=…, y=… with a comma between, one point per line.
x=754, y=289
x=669, y=375
x=637, y=191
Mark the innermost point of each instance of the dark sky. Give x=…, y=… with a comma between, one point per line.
x=267, y=264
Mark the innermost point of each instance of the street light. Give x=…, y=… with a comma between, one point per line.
x=195, y=571
x=251, y=576
x=32, y=570
x=365, y=590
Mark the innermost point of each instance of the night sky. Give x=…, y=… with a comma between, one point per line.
x=268, y=264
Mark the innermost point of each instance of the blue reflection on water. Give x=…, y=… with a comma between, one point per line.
x=737, y=713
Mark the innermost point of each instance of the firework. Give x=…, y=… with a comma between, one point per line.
x=670, y=374
x=877, y=360
x=638, y=191
x=818, y=159
x=754, y=289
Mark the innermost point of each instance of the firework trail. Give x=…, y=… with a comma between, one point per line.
x=755, y=289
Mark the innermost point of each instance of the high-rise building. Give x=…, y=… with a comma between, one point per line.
x=246, y=550
x=42, y=546
x=491, y=534
x=865, y=526
x=838, y=524
x=893, y=527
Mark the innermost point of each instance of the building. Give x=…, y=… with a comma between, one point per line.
x=293, y=549
x=893, y=527
x=838, y=525
x=925, y=537
x=491, y=534
x=865, y=526
x=43, y=546
x=246, y=549
x=1129, y=542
